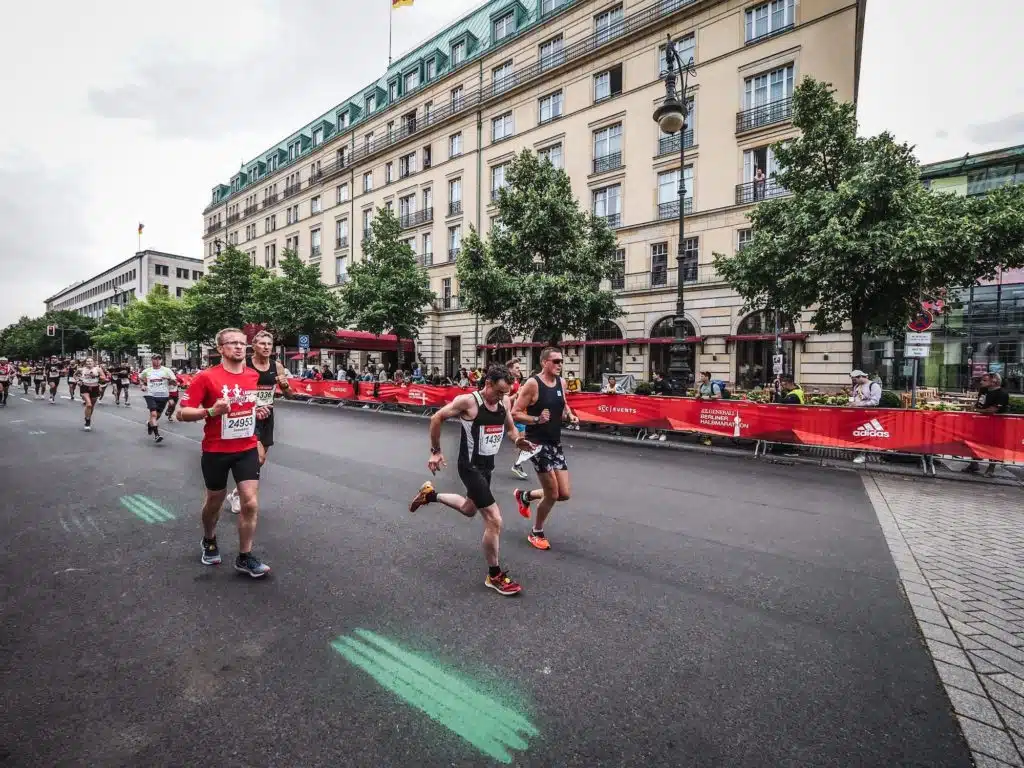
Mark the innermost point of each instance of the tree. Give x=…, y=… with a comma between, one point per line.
x=220, y=299
x=296, y=303
x=27, y=339
x=114, y=333
x=388, y=291
x=156, y=319
x=541, y=268
x=860, y=240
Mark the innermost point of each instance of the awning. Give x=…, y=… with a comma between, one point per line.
x=598, y=343
x=768, y=337
x=369, y=342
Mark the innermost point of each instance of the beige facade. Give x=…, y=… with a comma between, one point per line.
x=435, y=156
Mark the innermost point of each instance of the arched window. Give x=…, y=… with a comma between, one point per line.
x=540, y=336
x=661, y=354
x=499, y=335
x=664, y=328
x=603, y=358
x=763, y=322
x=754, y=366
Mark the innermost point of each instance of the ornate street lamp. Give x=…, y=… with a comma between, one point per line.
x=671, y=116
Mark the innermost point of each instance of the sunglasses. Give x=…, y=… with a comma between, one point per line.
x=556, y=362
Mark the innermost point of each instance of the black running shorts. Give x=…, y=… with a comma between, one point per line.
x=242, y=466
x=478, y=485
x=92, y=391
x=265, y=430
x=549, y=459
x=156, y=404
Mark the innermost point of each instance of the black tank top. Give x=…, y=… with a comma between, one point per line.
x=266, y=384
x=552, y=398
x=481, y=437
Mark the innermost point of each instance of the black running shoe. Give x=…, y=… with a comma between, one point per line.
x=211, y=552
x=251, y=565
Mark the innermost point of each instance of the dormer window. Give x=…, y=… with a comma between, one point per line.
x=504, y=26
x=412, y=81
x=371, y=102
x=458, y=53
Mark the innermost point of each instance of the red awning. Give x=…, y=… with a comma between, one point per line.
x=369, y=342
x=597, y=343
x=768, y=337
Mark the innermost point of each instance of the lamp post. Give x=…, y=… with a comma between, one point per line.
x=218, y=243
x=671, y=117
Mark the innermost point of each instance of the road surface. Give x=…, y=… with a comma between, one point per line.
x=693, y=610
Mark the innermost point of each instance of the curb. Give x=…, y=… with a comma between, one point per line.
x=736, y=453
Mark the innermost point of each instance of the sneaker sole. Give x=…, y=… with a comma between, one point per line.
x=210, y=561
x=542, y=549
x=250, y=573
x=500, y=592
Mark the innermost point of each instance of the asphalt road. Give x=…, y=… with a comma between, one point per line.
x=693, y=611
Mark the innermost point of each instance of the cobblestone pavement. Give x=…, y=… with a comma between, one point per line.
x=960, y=553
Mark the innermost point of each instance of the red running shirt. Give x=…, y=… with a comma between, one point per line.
x=235, y=431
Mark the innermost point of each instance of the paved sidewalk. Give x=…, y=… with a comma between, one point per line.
x=960, y=554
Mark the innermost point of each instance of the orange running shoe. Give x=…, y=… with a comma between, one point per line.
x=421, y=498
x=523, y=504
x=503, y=584
x=539, y=540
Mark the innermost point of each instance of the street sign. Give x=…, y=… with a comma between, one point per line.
x=918, y=339
x=916, y=351
x=921, y=321
x=304, y=343
x=777, y=364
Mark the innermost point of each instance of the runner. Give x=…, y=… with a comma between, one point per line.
x=103, y=388
x=271, y=375
x=54, y=371
x=541, y=406
x=25, y=375
x=89, y=377
x=225, y=397
x=7, y=373
x=120, y=376
x=172, y=397
x=485, y=416
x=155, y=382
x=72, y=365
x=39, y=378
x=517, y=383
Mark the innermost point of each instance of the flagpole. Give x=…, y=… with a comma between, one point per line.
x=391, y=10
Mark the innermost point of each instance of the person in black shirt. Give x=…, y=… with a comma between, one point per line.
x=992, y=399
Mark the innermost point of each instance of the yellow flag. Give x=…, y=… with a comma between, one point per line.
x=400, y=3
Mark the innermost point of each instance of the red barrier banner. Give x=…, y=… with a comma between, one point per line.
x=979, y=436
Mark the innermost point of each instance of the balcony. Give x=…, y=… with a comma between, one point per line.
x=664, y=277
x=270, y=200
x=416, y=218
x=213, y=228
x=453, y=253
x=446, y=303
x=341, y=279
x=425, y=259
x=613, y=220
x=755, y=191
x=766, y=114
x=291, y=190
x=314, y=253
x=232, y=218
x=340, y=242
x=455, y=208
x=494, y=194
x=670, y=143
x=671, y=210
x=250, y=210
x=609, y=162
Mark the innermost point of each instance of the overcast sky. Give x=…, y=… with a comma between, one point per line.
x=121, y=112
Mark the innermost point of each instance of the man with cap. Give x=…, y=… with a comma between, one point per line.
x=864, y=394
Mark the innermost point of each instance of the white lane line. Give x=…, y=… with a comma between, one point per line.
x=25, y=399
x=18, y=421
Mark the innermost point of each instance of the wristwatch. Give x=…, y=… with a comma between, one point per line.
x=434, y=450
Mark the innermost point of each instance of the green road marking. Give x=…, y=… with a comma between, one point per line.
x=487, y=724
x=146, y=509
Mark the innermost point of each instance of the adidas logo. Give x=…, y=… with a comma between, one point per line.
x=871, y=429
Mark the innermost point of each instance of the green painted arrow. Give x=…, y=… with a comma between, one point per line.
x=444, y=697
x=146, y=509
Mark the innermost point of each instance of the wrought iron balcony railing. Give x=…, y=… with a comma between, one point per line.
x=670, y=143
x=416, y=218
x=670, y=210
x=765, y=114
x=609, y=162
x=755, y=191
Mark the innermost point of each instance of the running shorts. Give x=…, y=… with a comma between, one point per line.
x=171, y=396
x=121, y=383
x=242, y=466
x=156, y=404
x=549, y=459
x=93, y=391
x=265, y=430
x=54, y=382
x=478, y=485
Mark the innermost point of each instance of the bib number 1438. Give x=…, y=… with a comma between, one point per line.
x=238, y=426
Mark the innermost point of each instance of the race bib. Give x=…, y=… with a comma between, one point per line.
x=490, y=439
x=265, y=397
x=238, y=426
x=4, y=377
x=157, y=387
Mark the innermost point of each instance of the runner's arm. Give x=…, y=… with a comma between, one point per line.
x=512, y=431
x=526, y=397
x=568, y=414
x=196, y=393
x=282, y=381
x=455, y=408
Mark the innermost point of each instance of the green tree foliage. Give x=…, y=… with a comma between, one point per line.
x=27, y=339
x=295, y=303
x=541, y=268
x=388, y=291
x=220, y=299
x=114, y=333
x=860, y=239
x=156, y=319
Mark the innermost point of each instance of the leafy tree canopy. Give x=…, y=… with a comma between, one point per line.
x=156, y=319
x=27, y=339
x=115, y=333
x=220, y=299
x=295, y=303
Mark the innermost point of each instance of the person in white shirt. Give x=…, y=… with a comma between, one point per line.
x=864, y=394
x=156, y=387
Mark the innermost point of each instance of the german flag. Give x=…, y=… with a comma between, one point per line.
x=400, y=3
x=143, y=226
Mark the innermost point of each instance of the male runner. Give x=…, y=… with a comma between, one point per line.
x=517, y=382
x=485, y=416
x=541, y=406
x=7, y=372
x=25, y=375
x=89, y=377
x=225, y=397
x=120, y=376
x=155, y=382
x=39, y=378
x=172, y=397
x=271, y=374
x=53, y=377
x=71, y=379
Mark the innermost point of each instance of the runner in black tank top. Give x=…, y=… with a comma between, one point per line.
x=485, y=417
x=541, y=405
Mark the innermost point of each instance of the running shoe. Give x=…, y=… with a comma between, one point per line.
x=235, y=502
x=522, y=503
x=251, y=565
x=539, y=540
x=519, y=472
x=421, y=498
x=211, y=552
x=502, y=584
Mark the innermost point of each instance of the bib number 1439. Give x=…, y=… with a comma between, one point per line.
x=238, y=426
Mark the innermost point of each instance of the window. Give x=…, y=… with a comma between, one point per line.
x=497, y=179
x=550, y=107
x=659, y=264
x=619, y=281
x=179, y=292
x=368, y=181
x=608, y=204
x=343, y=121
x=371, y=102
x=314, y=244
x=426, y=156
x=456, y=99
x=389, y=173
x=768, y=88
x=393, y=90
x=181, y=274
x=743, y=238
x=342, y=156
x=197, y=275
x=270, y=256
x=406, y=208
x=428, y=199
x=769, y=18
x=341, y=233
x=314, y=205
x=341, y=193
x=686, y=47
x=608, y=148
x=553, y=154
x=431, y=69
x=391, y=127
x=550, y=6
x=271, y=163
x=501, y=77
x=412, y=81
x=293, y=151
x=406, y=165
x=455, y=144
x=458, y=54
x=292, y=243
x=551, y=53
x=608, y=83
x=668, y=192
x=368, y=141
x=161, y=269
x=318, y=137
x=501, y=127
x=504, y=26
x=446, y=293
x=428, y=246
x=340, y=270
x=291, y=214
x=608, y=24
x=455, y=191
x=367, y=220
x=454, y=241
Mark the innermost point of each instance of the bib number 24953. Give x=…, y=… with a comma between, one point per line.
x=238, y=426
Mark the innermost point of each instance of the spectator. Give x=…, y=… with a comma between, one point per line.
x=992, y=400
x=660, y=385
x=865, y=394
x=328, y=374
x=609, y=388
x=792, y=393
x=708, y=389
x=572, y=382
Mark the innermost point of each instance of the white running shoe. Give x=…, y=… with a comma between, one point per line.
x=235, y=502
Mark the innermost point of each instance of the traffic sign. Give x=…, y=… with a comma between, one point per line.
x=921, y=321
x=916, y=351
x=923, y=339
x=304, y=343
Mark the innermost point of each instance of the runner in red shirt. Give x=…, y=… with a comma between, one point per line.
x=225, y=396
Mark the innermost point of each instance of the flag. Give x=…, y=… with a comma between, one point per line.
x=400, y=3
x=141, y=227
